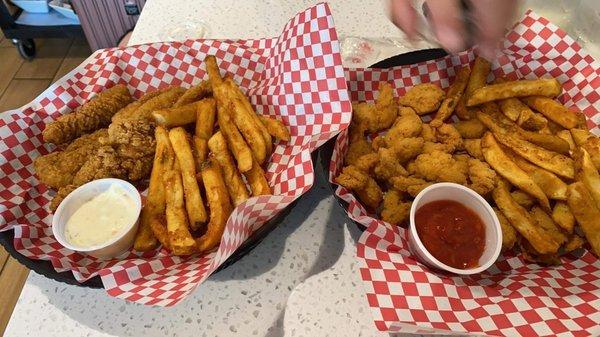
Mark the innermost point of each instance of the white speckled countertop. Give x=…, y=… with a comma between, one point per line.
x=302, y=280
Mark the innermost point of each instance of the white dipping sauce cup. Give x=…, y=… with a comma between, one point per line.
x=470, y=199
x=121, y=242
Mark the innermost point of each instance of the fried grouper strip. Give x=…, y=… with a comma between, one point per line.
x=57, y=169
x=91, y=116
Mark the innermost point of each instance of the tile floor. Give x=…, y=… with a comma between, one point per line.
x=20, y=82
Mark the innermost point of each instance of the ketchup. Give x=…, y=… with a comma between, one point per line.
x=451, y=232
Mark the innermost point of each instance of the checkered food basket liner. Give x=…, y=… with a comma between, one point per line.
x=513, y=298
x=297, y=77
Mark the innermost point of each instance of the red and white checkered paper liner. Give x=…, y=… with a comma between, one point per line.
x=513, y=297
x=296, y=77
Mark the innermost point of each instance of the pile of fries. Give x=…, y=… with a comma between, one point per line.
x=531, y=157
x=209, y=162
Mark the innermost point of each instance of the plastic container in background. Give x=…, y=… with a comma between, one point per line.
x=32, y=6
x=116, y=246
x=470, y=199
x=65, y=9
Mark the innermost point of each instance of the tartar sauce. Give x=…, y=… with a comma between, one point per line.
x=101, y=218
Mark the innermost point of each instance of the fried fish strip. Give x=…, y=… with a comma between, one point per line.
x=93, y=115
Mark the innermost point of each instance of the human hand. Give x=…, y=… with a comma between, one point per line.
x=490, y=18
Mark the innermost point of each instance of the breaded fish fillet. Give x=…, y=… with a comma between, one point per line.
x=57, y=169
x=91, y=116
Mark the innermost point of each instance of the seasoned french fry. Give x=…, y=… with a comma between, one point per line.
x=235, y=184
x=176, y=116
x=548, y=225
x=200, y=151
x=588, y=175
x=586, y=213
x=214, y=75
x=523, y=199
x=580, y=136
x=469, y=129
x=566, y=136
x=553, y=110
x=462, y=112
x=575, y=242
x=257, y=180
x=533, y=122
x=582, y=121
x=194, y=94
x=520, y=220
x=513, y=108
x=159, y=229
x=455, y=92
x=521, y=88
x=250, y=111
x=276, y=128
x=164, y=158
x=479, y=74
x=500, y=162
x=547, y=141
x=243, y=121
x=509, y=235
x=180, y=239
x=561, y=214
x=206, y=114
x=238, y=146
x=553, y=186
x=193, y=200
x=551, y=161
x=218, y=203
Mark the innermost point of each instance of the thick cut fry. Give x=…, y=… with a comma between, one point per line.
x=276, y=128
x=551, y=161
x=257, y=180
x=513, y=108
x=455, y=92
x=235, y=184
x=566, y=136
x=470, y=129
x=586, y=213
x=479, y=74
x=159, y=229
x=206, y=114
x=548, y=225
x=509, y=235
x=193, y=200
x=200, y=152
x=553, y=186
x=218, y=203
x=521, y=88
x=553, y=110
x=588, y=175
x=580, y=136
x=194, y=94
x=523, y=199
x=561, y=214
x=164, y=158
x=575, y=242
x=180, y=239
x=533, y=122
x=462, y=112
x=176, y=116
x=500, y=162
x=238, y=146
x=520, y=220
x=250, y=110
x=214, y=75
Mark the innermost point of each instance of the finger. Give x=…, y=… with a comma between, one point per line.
x=491, y=18
x=445, y=17
x=403, y=16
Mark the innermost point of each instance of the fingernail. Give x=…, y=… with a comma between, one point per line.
x=450, y=40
